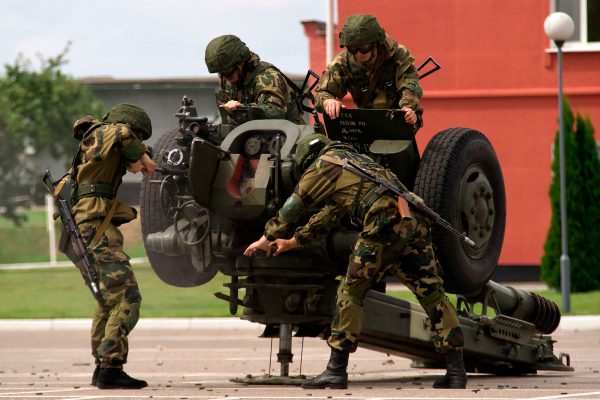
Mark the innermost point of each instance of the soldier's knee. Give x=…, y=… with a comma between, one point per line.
x=432, y=300
x=350, y=294
x=115, y=275
x=129, y=314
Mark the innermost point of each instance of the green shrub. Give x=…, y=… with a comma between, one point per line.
x=582, y=173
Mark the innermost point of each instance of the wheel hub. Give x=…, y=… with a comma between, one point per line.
x=477, y=209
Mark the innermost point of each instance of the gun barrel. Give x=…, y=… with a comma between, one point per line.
x=517, y=303
x=48, y=182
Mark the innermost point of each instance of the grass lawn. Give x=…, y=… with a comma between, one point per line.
x=30, y=242
x=60, y=293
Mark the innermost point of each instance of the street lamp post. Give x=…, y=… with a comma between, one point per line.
x=559, y=27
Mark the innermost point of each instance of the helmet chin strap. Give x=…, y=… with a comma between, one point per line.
x=240, y=73
x=372, y=60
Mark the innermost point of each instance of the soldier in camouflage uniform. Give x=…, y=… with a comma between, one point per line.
x=108, y=149
x=248, y=81
x=390, y=242
x=376, y=70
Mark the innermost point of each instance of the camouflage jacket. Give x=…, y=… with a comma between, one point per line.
x=99, y=166
x=398, y=84
x=345, y=193
x=264, y=86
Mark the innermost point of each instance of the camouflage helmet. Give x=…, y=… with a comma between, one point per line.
x=361, y=29
x=224, y=51
x=131, y=115
x=308, y=149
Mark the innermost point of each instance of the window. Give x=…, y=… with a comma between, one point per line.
x=586, y=16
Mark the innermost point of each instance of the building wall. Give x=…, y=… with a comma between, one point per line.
x=498, y=76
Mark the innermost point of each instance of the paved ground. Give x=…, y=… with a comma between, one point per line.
x=195, y=359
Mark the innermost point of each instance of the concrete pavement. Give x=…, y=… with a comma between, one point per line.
x=197, y=358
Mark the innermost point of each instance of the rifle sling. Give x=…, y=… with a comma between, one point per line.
x=104, y=224
x=61, y=183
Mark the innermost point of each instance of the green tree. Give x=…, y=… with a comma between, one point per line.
x=37, y=111
x=582, y=170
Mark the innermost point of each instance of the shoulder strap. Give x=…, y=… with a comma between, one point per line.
x=374, y=81
x=73, y=171
x=297, y=92
x=332, y=160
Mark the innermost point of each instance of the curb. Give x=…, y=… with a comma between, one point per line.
x=58, y=264
x=64, y=324
x=567, y=324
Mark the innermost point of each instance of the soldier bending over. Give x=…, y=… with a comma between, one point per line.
x=389, y=243
x=108, y=149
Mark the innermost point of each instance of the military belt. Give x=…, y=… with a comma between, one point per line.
x=95, y=190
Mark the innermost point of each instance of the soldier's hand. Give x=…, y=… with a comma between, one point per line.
x=134, y=167
x=332, y=107
x=232, y=105
x=148, y=165
x=282, y=245
x=410, y=116
x=261, y=244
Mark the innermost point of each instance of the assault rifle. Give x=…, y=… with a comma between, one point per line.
x=419, y=205
x=76, y=240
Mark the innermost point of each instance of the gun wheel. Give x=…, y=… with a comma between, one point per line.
x=460, y=178
x=185, y=270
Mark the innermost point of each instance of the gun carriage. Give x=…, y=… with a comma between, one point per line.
x=216, y=186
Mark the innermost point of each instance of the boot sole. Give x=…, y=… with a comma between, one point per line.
x=449, y=387
x=325, y=386
x=100, y=386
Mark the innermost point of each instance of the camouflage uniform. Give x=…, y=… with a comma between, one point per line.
x=261, y=85
x=388, y=243
x=99, y=166
x=398, y=83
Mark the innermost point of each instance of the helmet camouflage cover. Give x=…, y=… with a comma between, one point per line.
x=224, y=51
x=308, y=149
x=133, y=116
x=361, y=29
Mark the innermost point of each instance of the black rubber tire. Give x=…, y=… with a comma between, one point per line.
x=455, y=163
x=174, y=270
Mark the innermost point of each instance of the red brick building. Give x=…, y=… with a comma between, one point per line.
x=499, y=76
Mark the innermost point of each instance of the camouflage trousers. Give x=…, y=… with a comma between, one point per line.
x=405, y=250
x=115, y=317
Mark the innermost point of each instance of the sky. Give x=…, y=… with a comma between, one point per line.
x=153, y=38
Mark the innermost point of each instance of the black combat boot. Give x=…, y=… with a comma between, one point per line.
x=456, y=376
x=95, y=376
x=116, y=378
x=334, y=376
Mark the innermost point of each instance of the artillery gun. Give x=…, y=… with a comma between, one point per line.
x=216, y=186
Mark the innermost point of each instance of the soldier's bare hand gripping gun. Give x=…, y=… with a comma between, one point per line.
x=79, y=247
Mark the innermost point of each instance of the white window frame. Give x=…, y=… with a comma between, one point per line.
x=581, y=45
